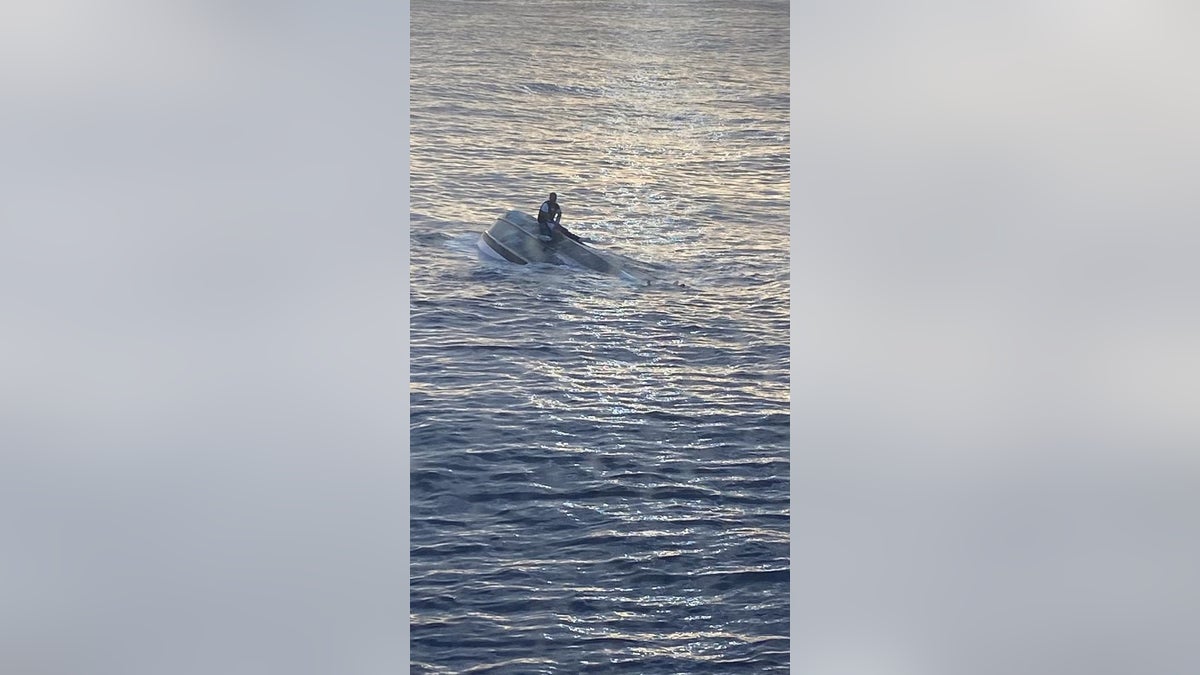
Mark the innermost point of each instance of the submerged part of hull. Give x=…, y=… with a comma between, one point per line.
x=514, y=238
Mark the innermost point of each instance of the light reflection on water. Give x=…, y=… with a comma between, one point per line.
x=599, y=470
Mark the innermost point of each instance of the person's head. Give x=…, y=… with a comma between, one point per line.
x=553, y=197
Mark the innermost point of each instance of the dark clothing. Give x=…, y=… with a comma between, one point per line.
x=548, y=219
x=549, y=213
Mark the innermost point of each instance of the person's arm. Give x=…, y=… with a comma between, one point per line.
x=543, y=220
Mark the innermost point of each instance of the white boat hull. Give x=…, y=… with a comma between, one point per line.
x=514, y=237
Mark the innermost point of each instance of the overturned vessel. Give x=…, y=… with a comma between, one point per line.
x=516, y=237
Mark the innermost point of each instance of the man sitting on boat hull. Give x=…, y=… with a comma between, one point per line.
x=549, y=218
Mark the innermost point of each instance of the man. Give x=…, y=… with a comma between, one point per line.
x=550, y=217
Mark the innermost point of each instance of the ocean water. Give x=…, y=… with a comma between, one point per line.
x=599, y=468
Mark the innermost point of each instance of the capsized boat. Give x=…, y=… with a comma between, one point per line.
x=515, y=237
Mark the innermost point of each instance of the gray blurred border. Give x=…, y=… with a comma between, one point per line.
x=995, y=337
x=203, y=361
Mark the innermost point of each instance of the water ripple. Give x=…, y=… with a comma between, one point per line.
x=599, y=469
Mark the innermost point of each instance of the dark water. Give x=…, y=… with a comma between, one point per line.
x=600, y=469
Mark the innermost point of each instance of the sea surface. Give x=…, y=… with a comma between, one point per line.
x=599, y=466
